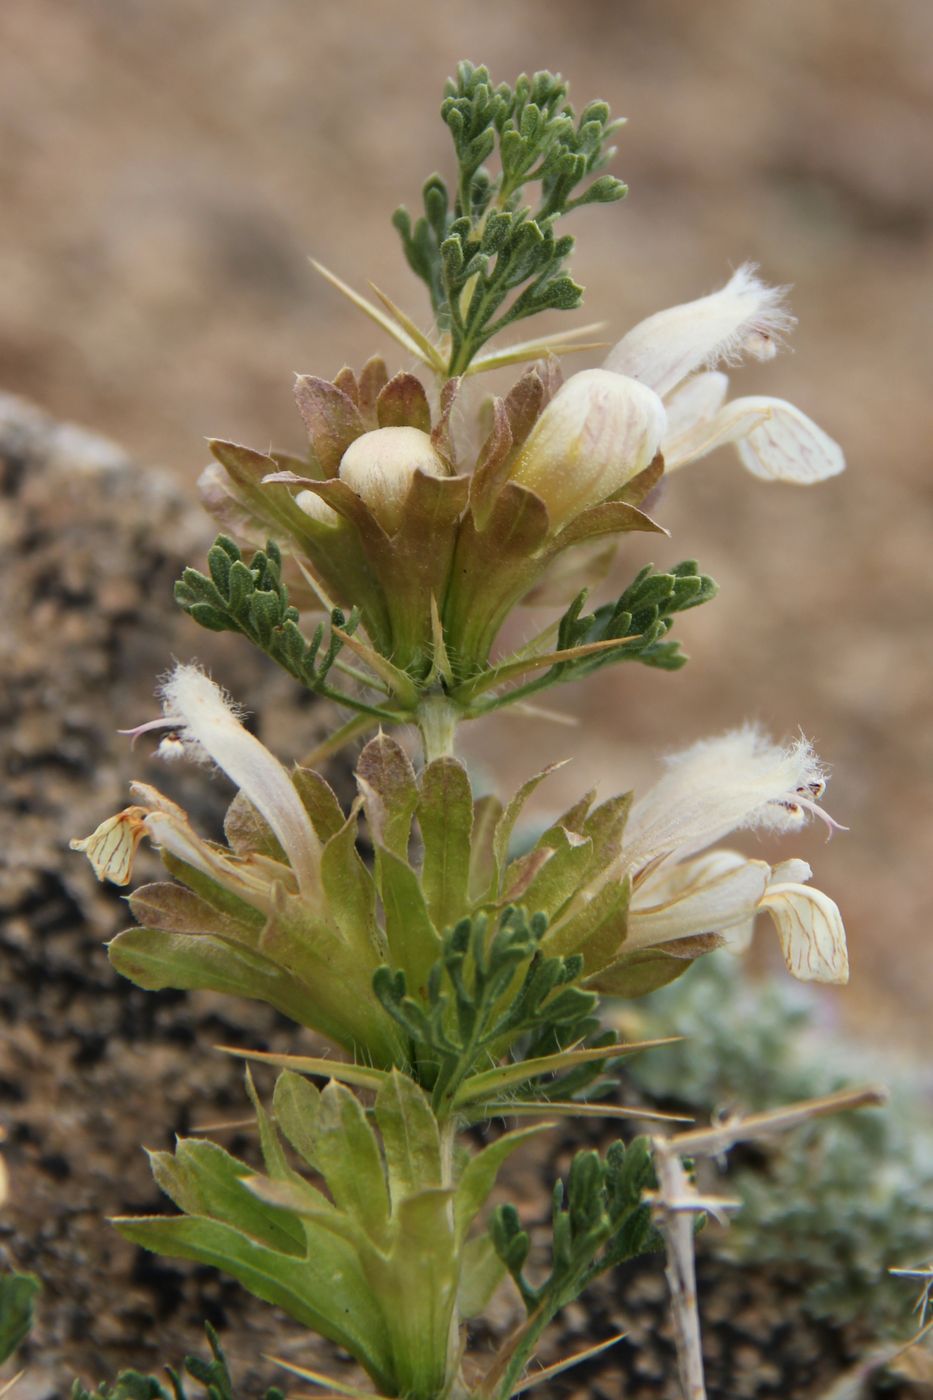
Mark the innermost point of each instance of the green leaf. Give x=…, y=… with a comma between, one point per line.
x=158, y=958
x=172, y=907
x=605, y=826
x=331, y=418
x=248, y=833
x=497, y=561
x=17, y=1295
x=646, y=969
x=320, y=802
x=492, y=1082
x=325, y=1292
x=593, y=925
x=411, y=936
x=203, y=1179
x=418, y=1291
x=483, y=882
x=348, y=1157
x=364, y=1076
x=272, y=1154
x=404, y=404
x=391, y=792
x=479, y=1175
x=445, y=815
x=505, y=827
x=563, y=874
x=237, y=910
x=349, y=889
x=297, y=1105
x=631, y=629
x=481, y=1272
x=410, y=1138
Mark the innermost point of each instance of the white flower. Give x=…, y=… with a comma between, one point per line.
x=598, y=431
x=205, y=721
x=737, y=782
x=675, y=353
x=380, y=467
x=112, y=847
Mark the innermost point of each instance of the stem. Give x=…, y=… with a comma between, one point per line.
x=437, y=718
x=455, y=1386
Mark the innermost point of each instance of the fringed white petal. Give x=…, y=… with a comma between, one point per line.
x=745, y=317
x=811, y=932
x=709, y=895
x=738, y=781
x=210, y=720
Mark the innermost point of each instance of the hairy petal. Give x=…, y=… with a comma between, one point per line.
x=740, y=780
x=745, y=317
x=210, y=720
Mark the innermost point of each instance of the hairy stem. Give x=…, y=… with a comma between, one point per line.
x=437, y=718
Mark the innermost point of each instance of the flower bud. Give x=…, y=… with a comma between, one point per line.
x=598, y=431
x=318, y=509
x=380, y=466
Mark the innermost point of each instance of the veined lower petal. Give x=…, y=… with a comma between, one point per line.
x=112, y=847
x=208, y=718
x=708, y=895
x=811, y=932
x=774, y=440
x=784, y=444
x=745, y=317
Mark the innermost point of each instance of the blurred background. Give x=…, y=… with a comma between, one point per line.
x=167, y=169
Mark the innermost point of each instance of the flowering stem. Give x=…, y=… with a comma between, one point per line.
x=437, y=719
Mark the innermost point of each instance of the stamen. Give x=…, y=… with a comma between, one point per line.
x=810, y=806
x=166, y=722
